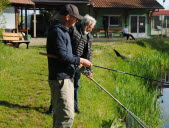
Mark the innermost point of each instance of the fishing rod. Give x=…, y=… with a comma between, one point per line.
x=129, y=74
x=53, y=56
x=132, y=114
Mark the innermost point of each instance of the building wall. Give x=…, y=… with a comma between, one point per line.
x=84, y=9
x=125, y=14
x=7, y=18
x=98, y=13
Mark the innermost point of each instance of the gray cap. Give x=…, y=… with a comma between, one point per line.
x=71, y=10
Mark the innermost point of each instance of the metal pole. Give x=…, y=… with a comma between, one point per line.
x=132, y=114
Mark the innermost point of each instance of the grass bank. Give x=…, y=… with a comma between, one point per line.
x=25, y=95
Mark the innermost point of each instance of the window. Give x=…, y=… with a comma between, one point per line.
x=115, y=20
x=166, y=21
x=158, y=21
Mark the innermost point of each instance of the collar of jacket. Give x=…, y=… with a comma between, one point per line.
x=61, y=27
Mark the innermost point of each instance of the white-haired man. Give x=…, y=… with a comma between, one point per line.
x=81, y=40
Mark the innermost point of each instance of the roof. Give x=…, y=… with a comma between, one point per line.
x=149, y=4
x=22, y=2
x=161, y=12
x=64, y=1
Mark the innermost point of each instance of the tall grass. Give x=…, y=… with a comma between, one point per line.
x=25, y=95
x=137, y=94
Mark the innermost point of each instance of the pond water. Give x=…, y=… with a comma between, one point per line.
x=165, y=106
x=165, y=99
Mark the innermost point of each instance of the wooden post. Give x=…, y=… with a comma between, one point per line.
x=26, y=15
x=149, y=15
x=21, y=18
x=16, y=19
x=34, y=22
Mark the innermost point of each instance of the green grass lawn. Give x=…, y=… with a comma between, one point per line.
x=25, y=94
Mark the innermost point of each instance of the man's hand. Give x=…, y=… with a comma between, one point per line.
x=90, y=75
x=85, y=62
x=79, y=66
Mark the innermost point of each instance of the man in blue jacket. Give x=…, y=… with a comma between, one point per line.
x=61, y=70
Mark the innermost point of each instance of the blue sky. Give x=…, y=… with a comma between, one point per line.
x=165, y=4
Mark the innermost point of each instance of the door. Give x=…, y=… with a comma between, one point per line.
x=138, y=27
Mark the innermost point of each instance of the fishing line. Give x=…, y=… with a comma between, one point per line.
x=128, y=73
x=53, y=56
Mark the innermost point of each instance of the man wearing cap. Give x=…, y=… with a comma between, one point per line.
x=61, y=70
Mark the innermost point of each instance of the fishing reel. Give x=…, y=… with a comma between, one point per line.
x=85, y=71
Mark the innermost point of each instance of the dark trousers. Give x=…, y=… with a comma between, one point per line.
x=76, y=87
x=129, y=35
x=106, y=29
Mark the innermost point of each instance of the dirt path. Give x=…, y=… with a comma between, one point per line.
x=42, y=41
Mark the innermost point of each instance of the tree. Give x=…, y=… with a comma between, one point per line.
x=3, y=5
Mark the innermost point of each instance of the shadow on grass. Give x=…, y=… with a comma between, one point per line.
x=106, y=124
x=141, y=43
x=157, y=43
x=11, y=105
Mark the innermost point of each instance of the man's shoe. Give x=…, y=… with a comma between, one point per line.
x=50, y=111
x=77, y=110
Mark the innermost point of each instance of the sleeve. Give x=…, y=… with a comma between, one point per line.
x=90, y=37
x=64, y=49
x=90, y=51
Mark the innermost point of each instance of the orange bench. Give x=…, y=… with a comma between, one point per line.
x=14, y=38
x=111, y=31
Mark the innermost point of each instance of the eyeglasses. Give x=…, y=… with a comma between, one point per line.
x=74, y=18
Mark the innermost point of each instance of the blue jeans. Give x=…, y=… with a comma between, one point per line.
x=76, y=86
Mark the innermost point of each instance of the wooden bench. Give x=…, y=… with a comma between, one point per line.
x=97, y=32
x=15, y=38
